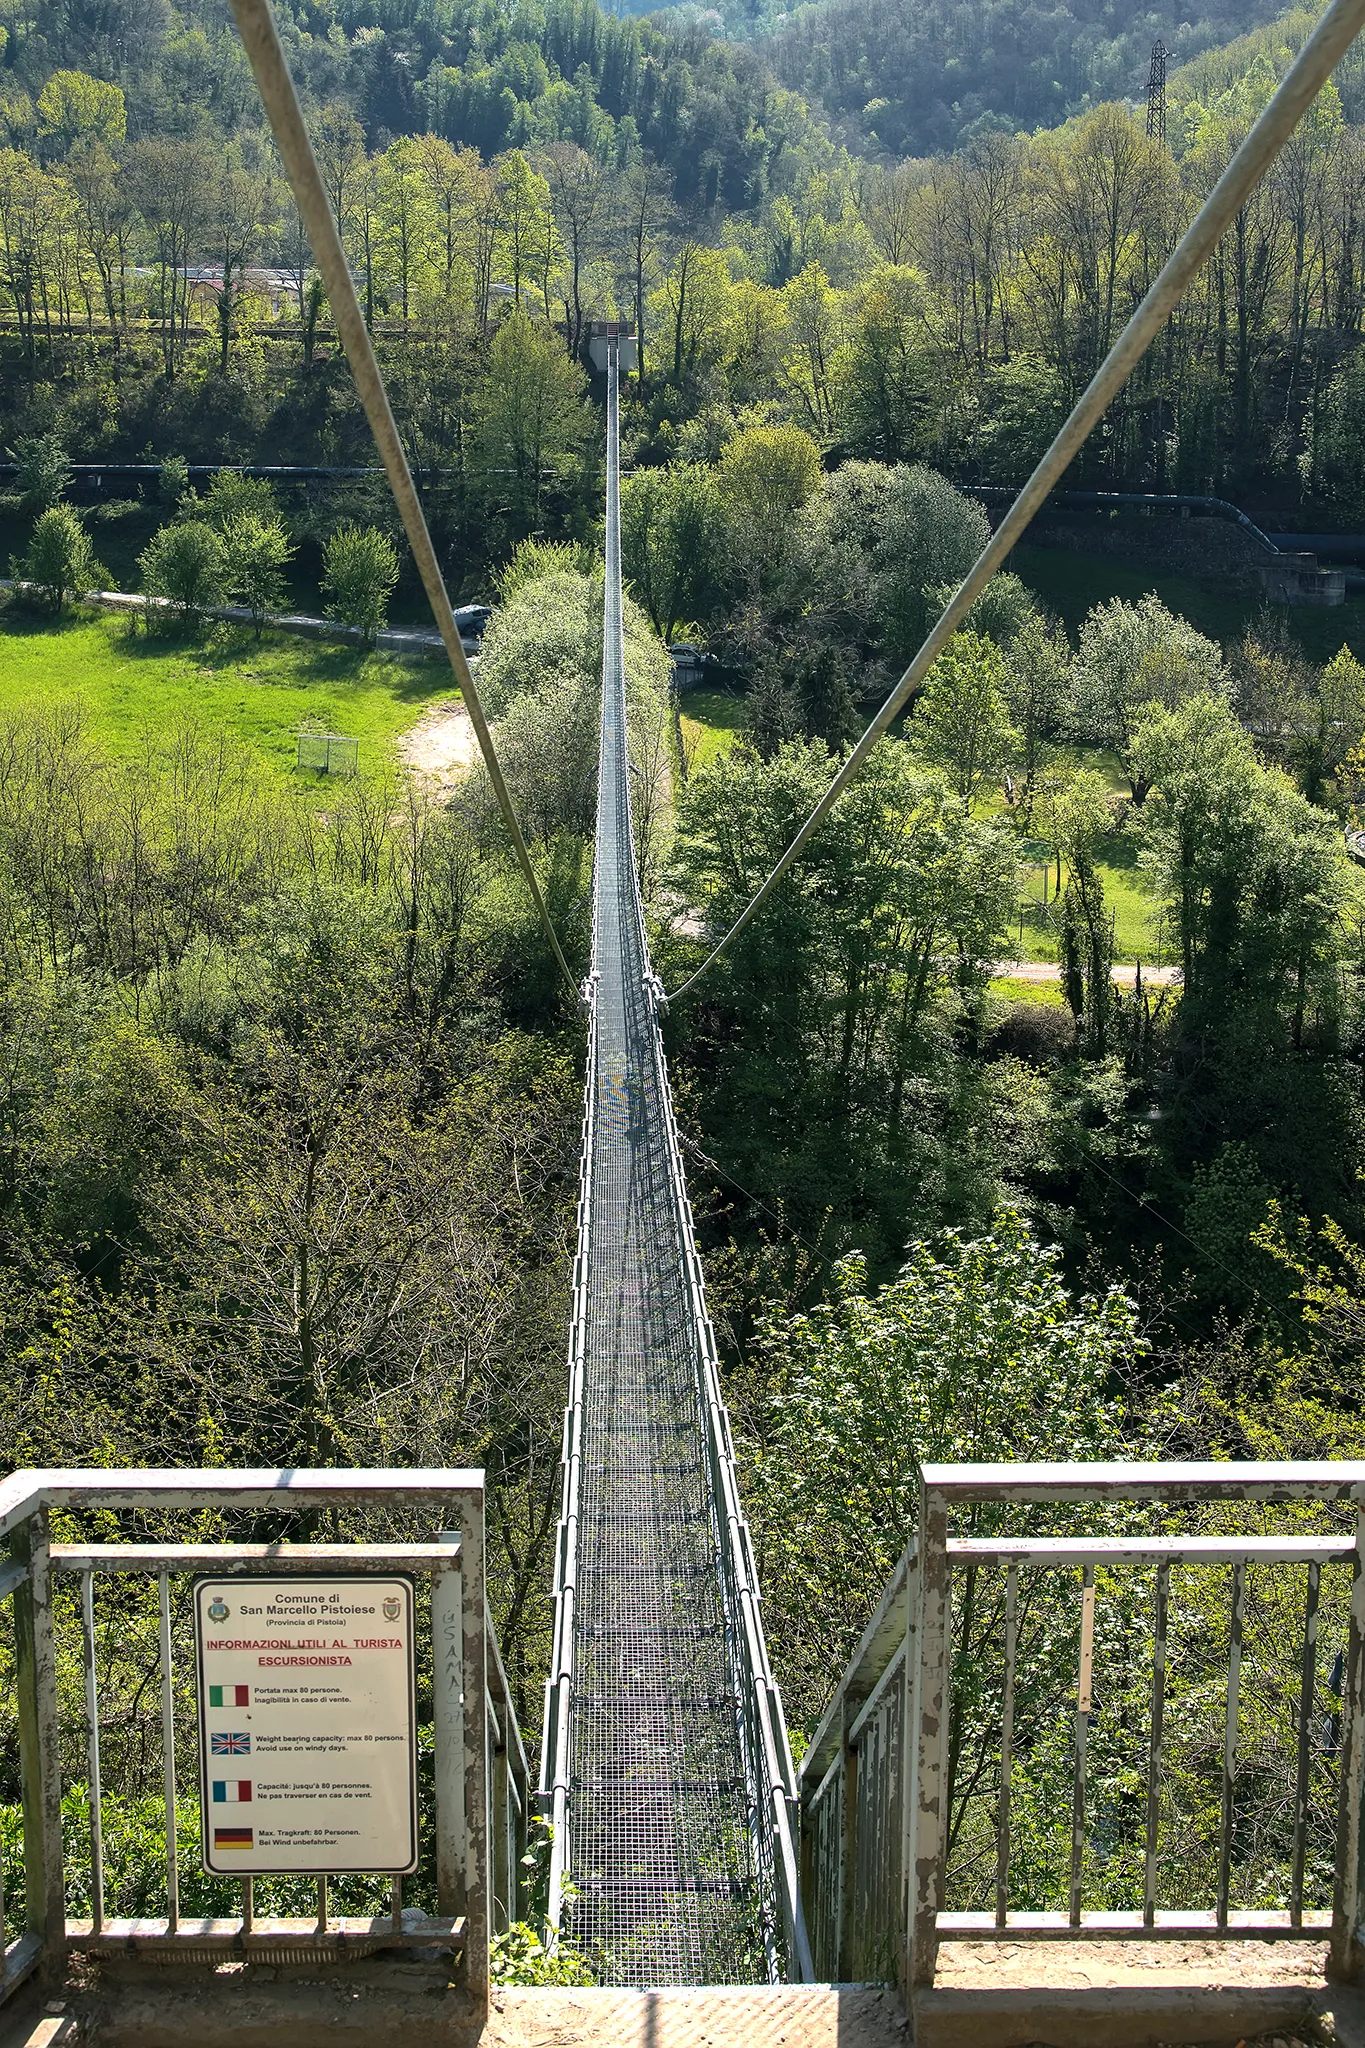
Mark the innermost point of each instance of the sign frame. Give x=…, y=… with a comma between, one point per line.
x=334, y=1582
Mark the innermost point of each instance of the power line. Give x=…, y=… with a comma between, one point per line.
x=261, y=41
x=1297, y=90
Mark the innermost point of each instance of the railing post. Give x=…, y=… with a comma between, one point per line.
x=474, y=1633
x=40, y=1770
x=1346, y=1958
x=501, y=1861
x=927, y=1734
x=447, y=1685
x=848, y=1840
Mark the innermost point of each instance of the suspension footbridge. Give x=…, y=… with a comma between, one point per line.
x=665, y=1761
x=666, y=1769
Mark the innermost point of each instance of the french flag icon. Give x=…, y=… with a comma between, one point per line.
x=231, y=1791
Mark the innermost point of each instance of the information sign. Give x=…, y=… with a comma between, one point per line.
x=307, y=1724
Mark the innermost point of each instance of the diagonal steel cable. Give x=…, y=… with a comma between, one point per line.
x=265, y=52
x=1297, y=90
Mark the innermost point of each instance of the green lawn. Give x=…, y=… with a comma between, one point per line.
x=1072, y=584
x=259, y=690
x=1006, y=991
x=711, y=721
x=1138, y=931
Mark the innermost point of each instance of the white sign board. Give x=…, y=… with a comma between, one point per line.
x=307, y=1725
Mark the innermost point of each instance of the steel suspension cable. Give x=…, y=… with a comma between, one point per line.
x=1297, y=90
x=265, y=52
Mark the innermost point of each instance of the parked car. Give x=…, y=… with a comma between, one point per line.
x=472, y=620
x=690, y=662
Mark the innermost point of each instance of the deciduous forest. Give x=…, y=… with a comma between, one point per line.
x=1028, y=1114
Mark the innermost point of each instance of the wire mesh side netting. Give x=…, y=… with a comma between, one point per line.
x=664, y=1882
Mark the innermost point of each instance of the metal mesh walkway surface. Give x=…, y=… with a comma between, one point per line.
x=666, y=1760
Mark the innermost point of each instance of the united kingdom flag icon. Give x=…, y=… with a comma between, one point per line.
x=230, y=1745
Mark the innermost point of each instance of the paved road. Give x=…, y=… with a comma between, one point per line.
x=420, y=642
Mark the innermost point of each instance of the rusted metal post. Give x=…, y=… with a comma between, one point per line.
x=928, y=1740
x=39, y=1768
x=474, y=1614
x=1346, y=1958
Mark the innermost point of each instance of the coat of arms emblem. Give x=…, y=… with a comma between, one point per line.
x=218, y=1608
x=393, y=1607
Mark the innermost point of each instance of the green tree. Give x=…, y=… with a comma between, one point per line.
x=530, y=416
x=831, y=1007
x=962, y=722
x=1081, y=822
x=1327, y=723
x=547, y=744
x=766, y=475
x=42, y=471
x=888, y=383
x=878, y=543
x=184, y=565
x=1250, y=873
x=256, y=553
x=72, y=105
x=1133, y=655
x=672, y=542
x=359, y=572
x=60, y=561
x=1037, y=690
x=977, y=1351
x=232, y=493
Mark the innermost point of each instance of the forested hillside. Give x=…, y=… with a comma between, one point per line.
x=288, y=1095
x=916, y=79
x=493, y=78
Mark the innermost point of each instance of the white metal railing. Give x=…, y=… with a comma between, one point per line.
x=910, y=1791
x=474, y=1831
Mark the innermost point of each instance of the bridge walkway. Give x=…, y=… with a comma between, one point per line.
x=661, y=1760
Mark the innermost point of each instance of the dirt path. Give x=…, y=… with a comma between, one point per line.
x=1123, y=971
x=441, y=748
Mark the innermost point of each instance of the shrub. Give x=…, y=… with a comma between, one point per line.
x=43, y=472
x=532, y=559
x=174, y=480
x=359, y=571
x=256, y=552
x=230, y=495
x=60, y=560
x=184, y=563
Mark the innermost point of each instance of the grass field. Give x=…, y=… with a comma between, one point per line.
x=1006, y=990
x=711, y=721
x=259, y=690
x=1138, y=932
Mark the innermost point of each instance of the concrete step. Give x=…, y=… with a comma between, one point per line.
x=38, y=2023
x=782, y=2016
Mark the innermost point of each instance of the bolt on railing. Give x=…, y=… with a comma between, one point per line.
x=472, y=1832
x=1147, y=1756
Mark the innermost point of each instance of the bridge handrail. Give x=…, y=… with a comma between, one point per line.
x=480, y=1769
x=874, y=1783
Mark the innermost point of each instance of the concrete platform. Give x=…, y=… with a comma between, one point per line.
x=1088, y=1994
x=788, y=2016
x=1108, y=1994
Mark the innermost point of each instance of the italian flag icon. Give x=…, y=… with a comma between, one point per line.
x=229, y=1695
